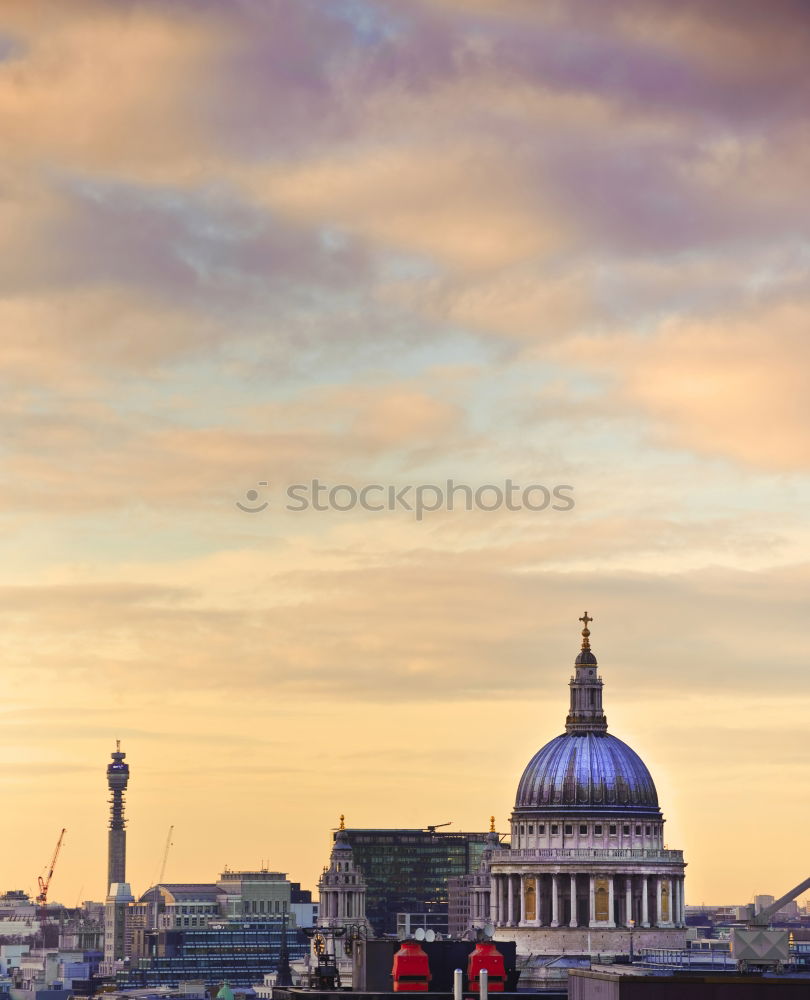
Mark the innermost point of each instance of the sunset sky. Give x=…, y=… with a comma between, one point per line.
x=400, y=242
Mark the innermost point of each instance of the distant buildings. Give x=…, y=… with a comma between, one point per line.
x=239, y=952
x=230, y=930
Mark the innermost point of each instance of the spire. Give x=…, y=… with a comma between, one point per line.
x=341, y=841
x=492, y=839
x=284, y=972
x=585, y=714
x=586, y=632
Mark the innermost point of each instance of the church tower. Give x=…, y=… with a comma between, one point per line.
x=342, y=888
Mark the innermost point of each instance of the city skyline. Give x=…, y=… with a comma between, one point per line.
x=387, y=245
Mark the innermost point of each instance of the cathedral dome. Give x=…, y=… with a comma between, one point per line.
x=587, y=771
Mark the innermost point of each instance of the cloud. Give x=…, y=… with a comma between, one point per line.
x=453, y=625
x=377, y=241
x=716, y=385
x=462, y=205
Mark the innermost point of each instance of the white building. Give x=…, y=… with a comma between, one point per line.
x=342, y=889
x=587, y=866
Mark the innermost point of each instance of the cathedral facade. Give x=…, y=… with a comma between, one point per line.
x=587, y=871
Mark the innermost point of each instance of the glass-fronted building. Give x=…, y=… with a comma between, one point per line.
x=407, y=870
x=239, y=953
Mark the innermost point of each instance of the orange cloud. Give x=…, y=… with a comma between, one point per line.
x=734, y=385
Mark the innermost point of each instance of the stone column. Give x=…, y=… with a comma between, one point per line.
x=493, y=900
x=554, y=911
x=573, y=921
x=658, y=900
x=645, y=903
x=510, y=900
x=522, y=893
x=682, y=901
x=592, y=902
x=537, y=914
x=628, y=901
x=611, y=903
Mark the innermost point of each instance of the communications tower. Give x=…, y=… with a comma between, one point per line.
x=117, y=778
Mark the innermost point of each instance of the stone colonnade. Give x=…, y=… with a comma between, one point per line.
x=576, y=899
x=338, y=901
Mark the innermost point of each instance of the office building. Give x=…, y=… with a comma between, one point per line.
x=407, y=871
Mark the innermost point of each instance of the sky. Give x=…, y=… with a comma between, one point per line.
x=250, y=245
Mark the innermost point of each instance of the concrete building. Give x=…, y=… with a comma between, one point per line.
x=117, y=936
x=302, y=906
x=254, y=894
x=231, y=929
x=587, y=866
x=238, y=896
x=626, y=983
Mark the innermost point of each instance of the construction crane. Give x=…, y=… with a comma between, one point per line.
x=159, y=879
x=758, y=948
x=435, y=827
x=165, y=855
x=44, y=883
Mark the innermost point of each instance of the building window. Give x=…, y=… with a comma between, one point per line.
x=648, y=829
x=626, y=828
x=569, y=829
x=612, y=829
x=638, y=831
x=541, y=828
x=598, y=829
x=531, y=827
x=583, y=828
x=554, y=829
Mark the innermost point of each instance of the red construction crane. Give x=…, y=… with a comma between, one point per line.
x=44, y=883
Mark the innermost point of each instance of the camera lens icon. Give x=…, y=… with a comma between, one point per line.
x=252, y=496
